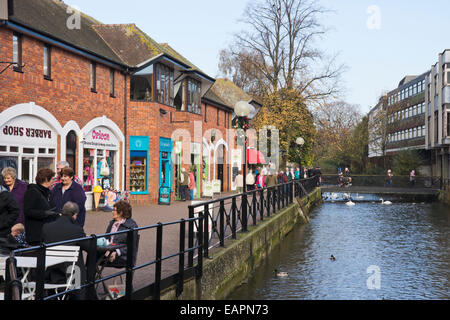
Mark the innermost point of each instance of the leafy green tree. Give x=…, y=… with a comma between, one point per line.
x=285, y=109
x=405, y=161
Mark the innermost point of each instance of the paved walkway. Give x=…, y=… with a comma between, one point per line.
x=97, y=221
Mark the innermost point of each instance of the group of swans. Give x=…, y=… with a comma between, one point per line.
x=351, y=203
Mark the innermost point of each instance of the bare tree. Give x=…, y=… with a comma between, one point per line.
x=281, y=36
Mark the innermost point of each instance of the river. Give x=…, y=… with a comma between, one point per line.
x=399, y=251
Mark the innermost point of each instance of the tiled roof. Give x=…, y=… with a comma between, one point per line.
x=50, y=17
x=228, y=92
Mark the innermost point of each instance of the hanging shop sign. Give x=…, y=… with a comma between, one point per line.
x=101, y=138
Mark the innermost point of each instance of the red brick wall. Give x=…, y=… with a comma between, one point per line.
x=68, y=95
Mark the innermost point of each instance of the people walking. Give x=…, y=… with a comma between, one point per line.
x=239, y=182
x=191, y=184
x=183, y=182
x=250, y=181
x=412, y=178
x=389, y=178
x=68, y=190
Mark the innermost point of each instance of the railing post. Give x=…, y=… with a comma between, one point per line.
x=131, y=240
x=91, y=262
x=159, y=235
x=233, y=217
x=244, y=212
x=261, y=204
x=180, y=283
x=206, y=231
x=278, y=198
x=40, y=272
x=274, y=199
x=222, y=223
x=191, y=237
x=254, y=208
x=199, y=270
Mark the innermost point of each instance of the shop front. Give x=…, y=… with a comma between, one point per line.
x=101, y=157
x=28, y=140
x=138, y=174
x=165, y=170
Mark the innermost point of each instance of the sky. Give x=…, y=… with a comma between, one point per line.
x=379, y=42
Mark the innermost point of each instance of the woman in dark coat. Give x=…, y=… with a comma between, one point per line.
x=17, y=188
x=38, y=209
x=121, y=221
x=67, y=191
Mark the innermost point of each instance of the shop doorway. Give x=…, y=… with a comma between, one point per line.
x=28, y=170
x=71, y=149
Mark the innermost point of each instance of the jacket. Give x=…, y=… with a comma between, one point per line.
x=64, y=228
x=18, y=191
x=9, y=211
x=191, y=181
x=36, y=202
x=74, y=193
x=122, y=238
x=185, y=181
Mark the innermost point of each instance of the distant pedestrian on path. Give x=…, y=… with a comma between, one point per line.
x=389, y=178
x=412, y=178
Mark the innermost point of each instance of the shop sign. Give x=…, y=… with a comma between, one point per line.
x=208, y=189
x=164, y=195
x=101, y=137
x=28, y=130
x=216, y=186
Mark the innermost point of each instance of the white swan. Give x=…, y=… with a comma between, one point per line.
x=334, y=195
x=350, y=203
x=385, y=202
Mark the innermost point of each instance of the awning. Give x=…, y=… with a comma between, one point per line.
x=255, y=157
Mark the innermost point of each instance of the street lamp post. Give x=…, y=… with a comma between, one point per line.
x=242, y=110
x=300, y=141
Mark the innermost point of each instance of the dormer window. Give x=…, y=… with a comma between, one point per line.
x=141, y=85
x=194, y=96
x=164, y=85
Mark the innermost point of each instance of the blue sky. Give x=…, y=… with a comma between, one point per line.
x=410, y=36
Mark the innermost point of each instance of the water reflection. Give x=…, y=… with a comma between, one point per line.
x=408, y=242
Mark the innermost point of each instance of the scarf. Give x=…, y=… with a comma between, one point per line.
x=115, y=227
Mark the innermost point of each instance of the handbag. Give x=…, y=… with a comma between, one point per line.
x=104, y=170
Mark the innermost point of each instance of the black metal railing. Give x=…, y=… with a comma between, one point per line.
x=209, y=225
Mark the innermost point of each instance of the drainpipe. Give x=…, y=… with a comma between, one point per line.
x=125, y=133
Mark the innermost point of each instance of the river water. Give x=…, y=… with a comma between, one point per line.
x=399, y=251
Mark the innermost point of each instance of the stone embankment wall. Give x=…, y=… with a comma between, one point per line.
x=230, y=266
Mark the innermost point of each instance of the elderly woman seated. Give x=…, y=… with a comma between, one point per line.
x=121, y=221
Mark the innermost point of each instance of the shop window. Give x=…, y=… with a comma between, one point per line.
x=51, y=151
x=105, y=169
x=8, y=162
x=28, y=150
x=138, y=171
x=3, y=148
x=13, y=149
x=42, y=150
x=88, y=169
x=46, y=163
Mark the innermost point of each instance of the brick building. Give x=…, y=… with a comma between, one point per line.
x=106, y=95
